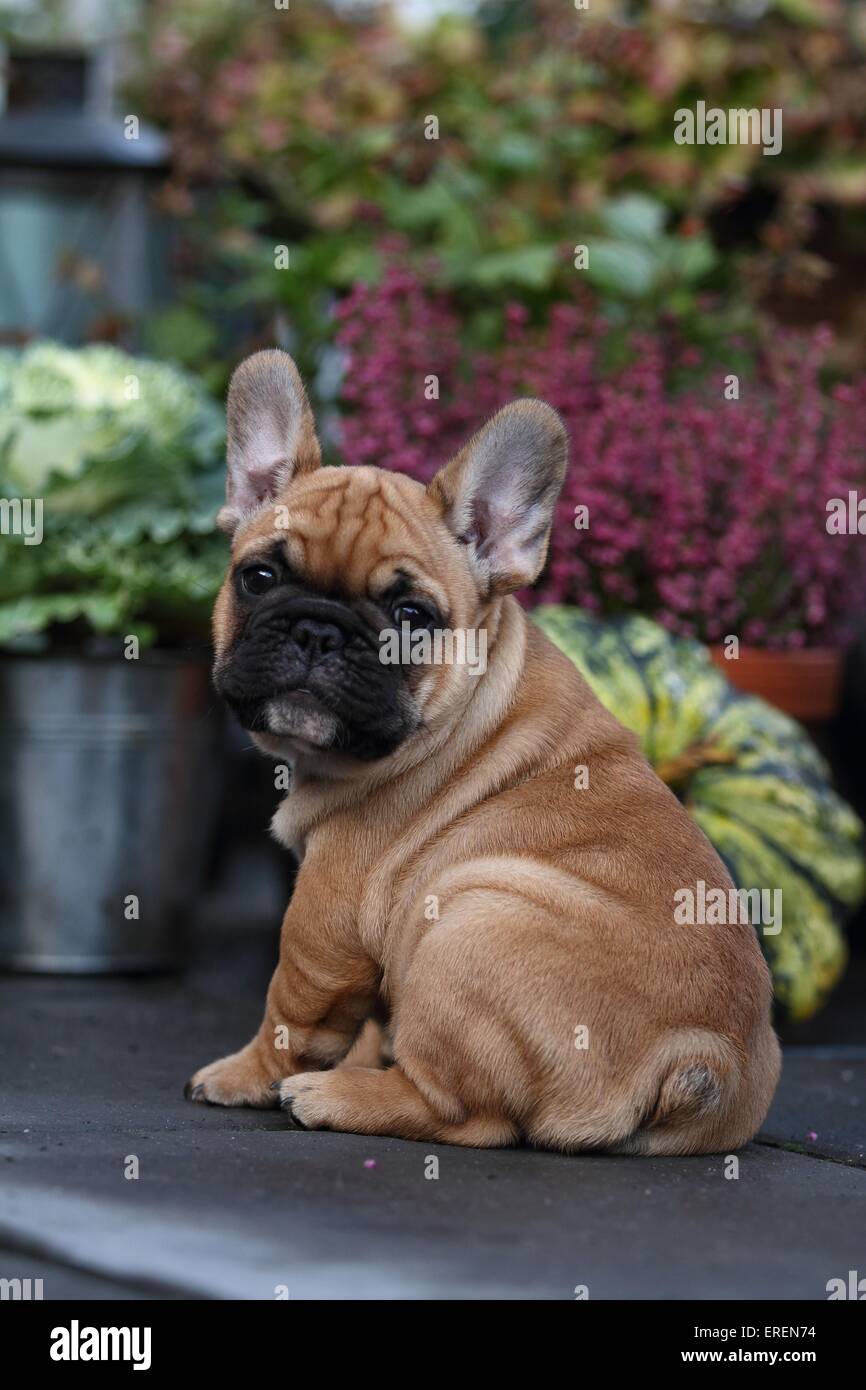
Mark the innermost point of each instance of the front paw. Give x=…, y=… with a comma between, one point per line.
x=236, y=1080
x=304, y=1101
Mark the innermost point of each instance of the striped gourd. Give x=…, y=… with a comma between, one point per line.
x=750, y=777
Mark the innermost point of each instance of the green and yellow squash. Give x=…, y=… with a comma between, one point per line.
x=750, y=777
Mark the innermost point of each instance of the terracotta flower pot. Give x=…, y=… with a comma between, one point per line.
x=804, y=684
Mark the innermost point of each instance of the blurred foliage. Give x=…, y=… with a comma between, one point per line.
x=126, y=456
x=306, y=128
x=65, y=21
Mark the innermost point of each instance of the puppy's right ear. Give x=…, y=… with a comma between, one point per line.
x=271, y=435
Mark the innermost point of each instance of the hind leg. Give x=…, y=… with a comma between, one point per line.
x=361, y=1100
x=371, y=1048
x=485, y=1053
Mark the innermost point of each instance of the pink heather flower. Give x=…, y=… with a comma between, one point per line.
x=708, y=514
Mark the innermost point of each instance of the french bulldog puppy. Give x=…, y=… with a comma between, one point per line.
x=514, y=926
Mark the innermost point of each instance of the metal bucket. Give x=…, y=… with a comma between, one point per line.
x=106, y=792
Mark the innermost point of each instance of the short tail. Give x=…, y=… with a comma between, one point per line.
x=688, y=1082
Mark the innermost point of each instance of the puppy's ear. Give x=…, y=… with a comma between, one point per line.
x=271, y=435
x=497, y=495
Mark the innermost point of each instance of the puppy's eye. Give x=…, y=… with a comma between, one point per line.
x=414, y=615
x=258, y=579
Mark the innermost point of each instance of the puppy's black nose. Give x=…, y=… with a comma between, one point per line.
x=316, y=639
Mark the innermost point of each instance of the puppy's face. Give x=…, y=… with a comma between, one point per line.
x=316, y=583
x=351, y=591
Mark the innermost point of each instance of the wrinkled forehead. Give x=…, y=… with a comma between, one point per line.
x=351, y=529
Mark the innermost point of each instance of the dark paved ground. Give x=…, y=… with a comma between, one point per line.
x=232, y=1203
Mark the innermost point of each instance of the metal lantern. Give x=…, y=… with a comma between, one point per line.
x=79, y=241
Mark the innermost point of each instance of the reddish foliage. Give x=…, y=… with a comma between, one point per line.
x=709, y=514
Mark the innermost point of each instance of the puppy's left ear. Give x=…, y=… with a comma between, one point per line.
x=497, y=495
x=271, y=435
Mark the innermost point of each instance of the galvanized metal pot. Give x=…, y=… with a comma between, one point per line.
x=106, y=792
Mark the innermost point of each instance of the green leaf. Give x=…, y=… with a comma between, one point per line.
x=621, y=268
x=516, y=152
x=634, y=215
x=413, y=209
x=180, y=334
x=357, y=263
x=30, y=615
x=530, y=266
x=693, y=257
